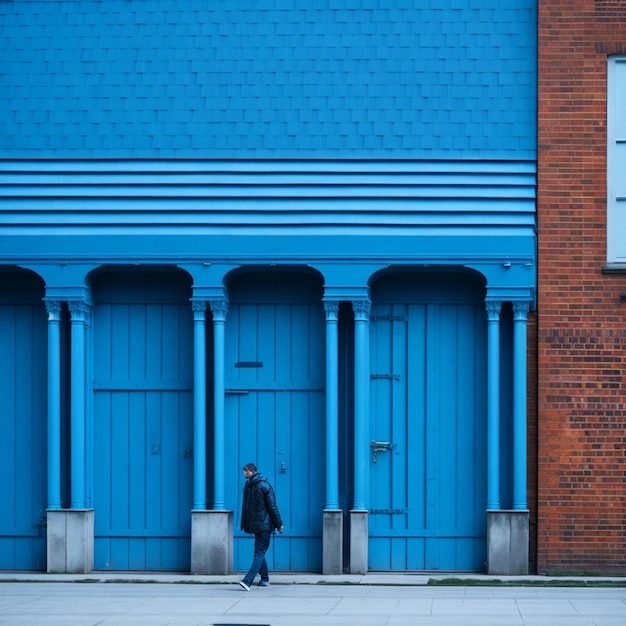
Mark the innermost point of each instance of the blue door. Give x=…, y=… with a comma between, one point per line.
x=143, y=422
x=428, y=425
x=275, y=407
x=23, y=422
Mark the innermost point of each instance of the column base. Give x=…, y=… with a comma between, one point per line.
x=69, y=541
x=507, y=542
x=332, y=540
x=358, y=542
x=211, y=542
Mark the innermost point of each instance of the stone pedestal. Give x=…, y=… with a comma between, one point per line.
x=211, y=542
x=507, y=542
x=70, y=541
x=358, y=542
x=332, y=539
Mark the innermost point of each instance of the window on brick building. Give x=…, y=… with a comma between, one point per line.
x=616, y=161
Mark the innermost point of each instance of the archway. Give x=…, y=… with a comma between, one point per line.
x=275, y=406
x=428, y=422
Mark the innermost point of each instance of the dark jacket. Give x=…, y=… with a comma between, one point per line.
x=259, y=511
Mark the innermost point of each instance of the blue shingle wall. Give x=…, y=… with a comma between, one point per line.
x=268, y=79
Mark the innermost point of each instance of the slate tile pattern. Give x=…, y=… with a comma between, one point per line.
x=268, y=79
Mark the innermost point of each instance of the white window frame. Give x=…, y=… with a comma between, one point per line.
x=616, y=161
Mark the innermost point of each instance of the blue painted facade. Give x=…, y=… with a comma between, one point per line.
x=264, y=231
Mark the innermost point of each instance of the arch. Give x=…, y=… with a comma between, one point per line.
x=427, y=411
x=18, y=282
x=436, y=280
x=142, y=417
x=23, y=419
x=300, y=277
x=138, y=275
x=275, y=403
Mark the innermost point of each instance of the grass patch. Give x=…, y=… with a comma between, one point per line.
x=473, y=582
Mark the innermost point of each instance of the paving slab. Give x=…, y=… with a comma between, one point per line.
x=300, y=601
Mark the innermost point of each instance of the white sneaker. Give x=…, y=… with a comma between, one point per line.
x=244, y=585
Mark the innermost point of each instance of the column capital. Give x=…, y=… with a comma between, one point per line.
x=199, y=308
x=493, y=308
x=520, y=309
x=79, y=310
x=219, y=308
x=361, y=309
x=331, y=307
x=53, y=307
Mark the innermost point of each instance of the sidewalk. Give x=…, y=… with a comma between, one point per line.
x=123, y=599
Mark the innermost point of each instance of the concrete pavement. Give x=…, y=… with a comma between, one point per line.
x=108, y=599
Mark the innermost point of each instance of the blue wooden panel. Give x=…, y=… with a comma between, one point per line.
x=416, y=424
x=275, y=408
x=23, y=423
x=143, y=423
x=428, y=391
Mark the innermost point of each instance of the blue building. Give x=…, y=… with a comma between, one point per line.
x=298, y=234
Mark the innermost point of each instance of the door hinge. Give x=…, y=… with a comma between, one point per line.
x=384, y=376
x=388, y=318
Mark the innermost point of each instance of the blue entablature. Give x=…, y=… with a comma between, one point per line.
x=333, y=213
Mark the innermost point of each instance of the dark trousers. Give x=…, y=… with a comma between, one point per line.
x=259, y=565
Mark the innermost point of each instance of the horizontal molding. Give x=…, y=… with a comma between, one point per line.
x=412, y=533
x=243, y=387
x=263, y=165
x=424, y=245
x=143, y=385
x=187, y=385
x=92, y=186
x=276, y=217
x=19, y=533
x=147, y=533
x=427, y=189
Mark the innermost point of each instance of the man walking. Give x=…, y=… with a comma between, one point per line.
x=260, y=517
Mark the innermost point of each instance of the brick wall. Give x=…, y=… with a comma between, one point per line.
x=531, y=408
x=581, y=496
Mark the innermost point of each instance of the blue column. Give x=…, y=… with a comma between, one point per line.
x=220, y=310
x=79, y=312
x=493, y=406
x=54, y=404
x=520, y=320
x=361, y=403
x=199, y=405
x=332, y=403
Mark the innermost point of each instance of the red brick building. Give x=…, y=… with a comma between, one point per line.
x=581, y=498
